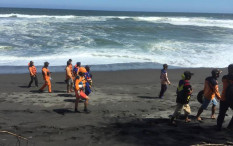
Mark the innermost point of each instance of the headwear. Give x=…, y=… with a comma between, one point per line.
x=165, y=65
x=78, y=63
x=215, y=73
x=82, y=70
x=46, y=63
x=188, y=75
x=230, y=69
x=87, y=67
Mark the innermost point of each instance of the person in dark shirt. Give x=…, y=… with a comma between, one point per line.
x=227, y=81
x=184, y=92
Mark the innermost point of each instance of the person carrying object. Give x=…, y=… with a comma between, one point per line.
x=210, y=92
x=80, y=84
x=164, y=80
x=184, y=91
x=46, y=76
x=33, y=72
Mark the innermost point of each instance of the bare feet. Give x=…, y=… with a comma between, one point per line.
x=187, y=120
x=199, y=118
x=213, y=117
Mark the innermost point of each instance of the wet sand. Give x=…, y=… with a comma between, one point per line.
x=124, y=108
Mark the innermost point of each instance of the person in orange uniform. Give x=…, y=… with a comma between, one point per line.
x=69, y=78
x=46, y=75
x=32, y=70
x=80, y=84
x=224, y=105
x=210, y=92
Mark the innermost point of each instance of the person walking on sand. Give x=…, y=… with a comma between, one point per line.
x=227, y=93
x=88, y=78
x=46, y=75
x=210, y=92
x=80, y=84
x=164, y=80
x=32, y=70
x=184, y=91
x=69, y=78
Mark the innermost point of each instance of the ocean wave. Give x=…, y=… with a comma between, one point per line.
x=176, y=53
x=35, y=16
x=193, y=21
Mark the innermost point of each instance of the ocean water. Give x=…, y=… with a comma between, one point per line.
x=111, y=38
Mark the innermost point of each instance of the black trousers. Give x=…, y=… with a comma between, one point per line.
x=36, y=81
x=222, y=112
x=163, y=90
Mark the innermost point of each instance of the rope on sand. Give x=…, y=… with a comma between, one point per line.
x=10, y=133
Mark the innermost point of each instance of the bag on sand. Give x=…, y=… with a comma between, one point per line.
x=229, y=95
x=200, y=96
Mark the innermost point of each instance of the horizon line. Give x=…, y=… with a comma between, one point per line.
x=115, y=10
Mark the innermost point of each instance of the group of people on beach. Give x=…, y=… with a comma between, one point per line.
x=205, y=97
x=78, y=78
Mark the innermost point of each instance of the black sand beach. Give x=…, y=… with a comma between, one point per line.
x=124, y=108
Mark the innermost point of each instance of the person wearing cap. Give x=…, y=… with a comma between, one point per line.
x=210, y=92
x=46, y=77
x=227, y=80
x=69, y=78
x=184, y=91
x=32, y=70
x=80, y=84
x=164, y=80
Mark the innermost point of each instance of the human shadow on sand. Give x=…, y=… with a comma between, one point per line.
x=63, y=111
x=23, y=86
x=73, y=100
x=60, y=82
x=70, y=100
x=159, y=131
x=147, y=97
x=65, y=95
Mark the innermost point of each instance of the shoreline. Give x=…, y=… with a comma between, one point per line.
x=124, y=108
x=97, y=68
x=101, y=67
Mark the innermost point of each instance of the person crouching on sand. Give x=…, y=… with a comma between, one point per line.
x=46, y=76
x=32, y=70
x=210, y=91
x=164, y=80
x=184, y=92
x=80, y=84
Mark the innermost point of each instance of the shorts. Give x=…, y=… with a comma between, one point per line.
x=82, y=95
x=179, y=107
x=206, y=103
x=69, y=81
